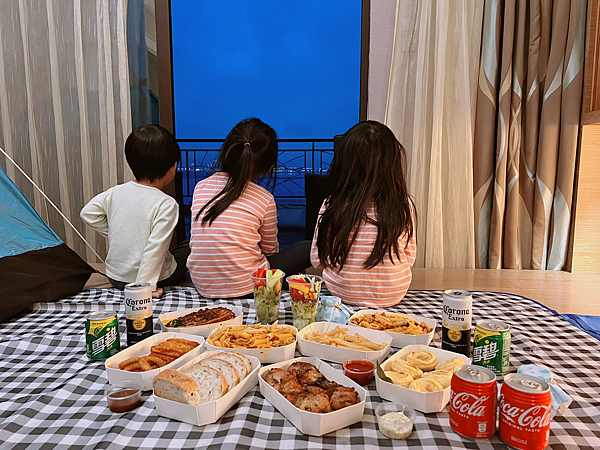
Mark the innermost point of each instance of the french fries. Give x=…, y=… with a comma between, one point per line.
x=340, y=338
x=395, y=323
x=253, y=336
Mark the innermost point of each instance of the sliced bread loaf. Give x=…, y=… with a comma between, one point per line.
x=212, y=385
x=176, y=386
x=226, y=369
x=237, y=360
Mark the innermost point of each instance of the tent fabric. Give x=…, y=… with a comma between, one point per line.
x=21, y=228
x=35, y=265
x=589, y=324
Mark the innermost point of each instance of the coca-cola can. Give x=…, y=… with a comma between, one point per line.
x=525, y=412
x=473, y=402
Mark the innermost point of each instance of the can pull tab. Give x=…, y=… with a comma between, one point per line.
x=531, y=384
x=474, y=374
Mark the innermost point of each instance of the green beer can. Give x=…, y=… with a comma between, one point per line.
x=101, y=335
x=491, y=345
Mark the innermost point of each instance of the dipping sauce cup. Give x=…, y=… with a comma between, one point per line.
x=395, y=420
x=124, y=396
x=360, y=370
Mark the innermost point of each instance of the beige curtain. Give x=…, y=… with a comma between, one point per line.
x=528, y=106
x=64, y=105
x=431, y=109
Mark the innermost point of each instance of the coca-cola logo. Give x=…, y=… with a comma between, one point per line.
x=469, y=404
x=537, y=416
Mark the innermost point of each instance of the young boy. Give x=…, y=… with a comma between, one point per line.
x=139, y=218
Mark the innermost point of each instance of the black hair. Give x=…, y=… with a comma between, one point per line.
x=151, y=151
x=368, y=168
x=249, y=152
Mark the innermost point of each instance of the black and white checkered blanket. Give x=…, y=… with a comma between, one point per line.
x=52, y=396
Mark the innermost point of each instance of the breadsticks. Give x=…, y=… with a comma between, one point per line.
x=339, y=338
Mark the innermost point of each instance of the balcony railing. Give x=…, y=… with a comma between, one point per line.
x=296, y=158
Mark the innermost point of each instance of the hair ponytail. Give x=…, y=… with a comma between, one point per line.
x=249, y=151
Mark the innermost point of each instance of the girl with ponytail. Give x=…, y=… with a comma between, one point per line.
x=234, y=220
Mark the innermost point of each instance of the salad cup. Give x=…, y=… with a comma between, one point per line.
x=304, y=297
x=267, y=294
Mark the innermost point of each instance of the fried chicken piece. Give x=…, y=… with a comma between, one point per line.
x=327, y=385
x=315, y=390
x=306, y=373
x=317, y=403
x=343, y=396
x=284, y=382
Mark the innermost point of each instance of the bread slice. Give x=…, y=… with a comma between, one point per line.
x=226, y=369
x=212, y=385
x=237, y=360
x=176, y=386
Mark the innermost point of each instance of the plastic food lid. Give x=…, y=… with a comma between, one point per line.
x=536, y=371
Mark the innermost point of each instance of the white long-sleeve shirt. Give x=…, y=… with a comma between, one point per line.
x=139, y=222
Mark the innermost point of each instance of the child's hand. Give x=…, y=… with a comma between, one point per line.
x=157, y=293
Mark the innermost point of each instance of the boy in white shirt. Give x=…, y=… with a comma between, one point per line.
x=139, y=218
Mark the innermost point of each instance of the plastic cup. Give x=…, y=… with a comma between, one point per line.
x=398, y=428
x=304, y=297
x=267, y=295
x=124, y=396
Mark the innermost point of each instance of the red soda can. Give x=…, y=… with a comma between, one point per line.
x=473, y=401
x=525, y=412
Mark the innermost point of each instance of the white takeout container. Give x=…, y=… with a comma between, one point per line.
x=314, y=424
x=201, y=330
x=142, y=348
x=402, y=340
x=340, y=354
x=264, y=355
x=426, y=402
x=209, y=412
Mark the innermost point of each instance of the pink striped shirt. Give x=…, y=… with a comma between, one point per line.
x=383, y=285
x=225, y=253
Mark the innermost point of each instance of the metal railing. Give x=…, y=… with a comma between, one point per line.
x=297, y=157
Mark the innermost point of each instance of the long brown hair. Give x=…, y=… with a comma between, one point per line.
x=368, y=168
x=249, y=151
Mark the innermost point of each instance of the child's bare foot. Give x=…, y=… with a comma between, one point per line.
x=157, y=293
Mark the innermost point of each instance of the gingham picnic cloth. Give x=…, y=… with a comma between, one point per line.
x=52, y=396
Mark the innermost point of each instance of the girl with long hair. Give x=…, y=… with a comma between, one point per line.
x=234, y=220
x=365, y=237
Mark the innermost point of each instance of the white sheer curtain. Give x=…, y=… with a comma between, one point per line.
x=431, y=108
x=64, y=104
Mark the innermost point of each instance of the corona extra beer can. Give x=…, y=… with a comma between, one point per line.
x=456, y=321
x=101, y=335
x=138, y=312
x=473, y=402
x=491, y=345
x=525, y=412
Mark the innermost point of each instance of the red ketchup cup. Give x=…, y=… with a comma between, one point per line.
x=360, y=370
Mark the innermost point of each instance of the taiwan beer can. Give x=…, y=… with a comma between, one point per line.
x=525, y=412
x=491, y=345
x=101, y=335
x=138, y=312
x=473, y=402
x=456, y=321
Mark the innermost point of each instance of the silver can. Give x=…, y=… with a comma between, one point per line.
x=138, y=312
x=456, y=321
